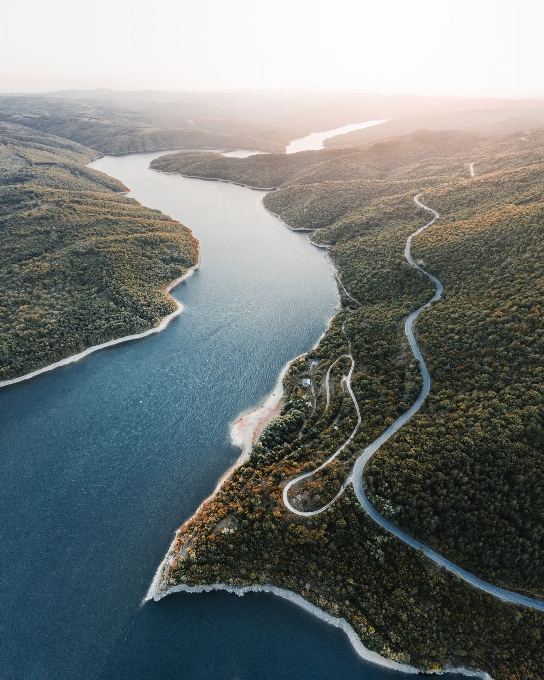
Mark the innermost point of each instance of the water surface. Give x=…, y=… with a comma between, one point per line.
x=314, y=141
x=104, y=459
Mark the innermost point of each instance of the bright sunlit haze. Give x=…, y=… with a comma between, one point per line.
x=436, y=48
x=271, y=284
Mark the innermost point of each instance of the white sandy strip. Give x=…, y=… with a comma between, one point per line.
x=244, y=433
x=320, y=245
x=472, y=169
x=127, y=338
x=248, y=428
x=337, y=622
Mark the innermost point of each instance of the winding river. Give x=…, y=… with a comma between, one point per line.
x=103, y=459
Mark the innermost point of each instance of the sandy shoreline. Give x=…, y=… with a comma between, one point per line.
x=245, y=431
x=110, y=343
x=248, y=427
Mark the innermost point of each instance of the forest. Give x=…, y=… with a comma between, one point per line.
x=376, y=162
x=110, y=127
x=81, y=262
x=466, y=474
x=112, y=121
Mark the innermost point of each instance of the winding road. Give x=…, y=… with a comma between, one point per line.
x=356, y=477
x=308, y=513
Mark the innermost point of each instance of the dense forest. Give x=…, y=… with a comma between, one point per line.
x=81, y=263
x=110, y=128
x=376, y=162
x=466, y=474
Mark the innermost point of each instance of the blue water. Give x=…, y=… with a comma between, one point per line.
x=103, y=460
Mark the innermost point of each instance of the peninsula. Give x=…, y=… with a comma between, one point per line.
x=82, y=263
x=464, y=476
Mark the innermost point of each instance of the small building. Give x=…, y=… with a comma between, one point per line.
x=306, y=382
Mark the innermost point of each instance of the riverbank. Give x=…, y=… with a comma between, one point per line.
x=342, y=624
x=216, y=179
x=361, y=650
x=110, y=343
x=248, y=427
x=399, y=603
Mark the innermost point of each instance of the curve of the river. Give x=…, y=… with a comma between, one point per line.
x=102, y=459
x=356, y=478
x=99, y=463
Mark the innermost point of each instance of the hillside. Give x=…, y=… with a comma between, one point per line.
x=81, y=263
x=517, y=117
x=379, y=161
x=466, y=474
x=110, y=128
x=306, y=111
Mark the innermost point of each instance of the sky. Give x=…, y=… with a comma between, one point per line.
x=463, y=48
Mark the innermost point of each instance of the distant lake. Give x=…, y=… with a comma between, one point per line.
x=103, y=460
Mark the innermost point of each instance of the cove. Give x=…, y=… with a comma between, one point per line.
x=102, y=460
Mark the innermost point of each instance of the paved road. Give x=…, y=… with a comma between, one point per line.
x=308, y=513
x=356, y=477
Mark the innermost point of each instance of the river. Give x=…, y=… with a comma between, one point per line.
x=102, y=460
x=314, y=142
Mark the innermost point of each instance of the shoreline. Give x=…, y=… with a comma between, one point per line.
x=246, y=431
x=325, y=246
x=249, y=426
x=110, y=343
x=215, y=179
x=289, y=226
x=337, y=622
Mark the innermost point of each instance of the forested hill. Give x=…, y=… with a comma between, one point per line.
x=515, y=117
x=466, y=474
x=376, y=162
x=115, y=128
x=81, y=263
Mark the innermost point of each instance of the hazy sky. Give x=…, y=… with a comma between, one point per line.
x=439, y=47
